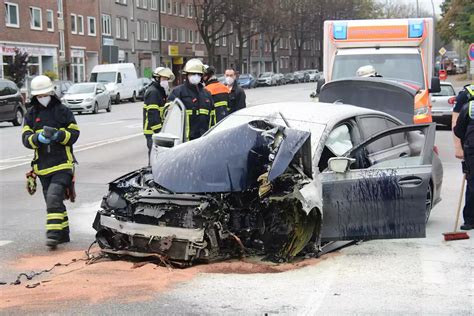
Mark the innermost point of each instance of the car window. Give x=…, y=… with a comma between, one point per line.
x=3, y=89
x=371, y=125
x=446, y=90
x=12, y=87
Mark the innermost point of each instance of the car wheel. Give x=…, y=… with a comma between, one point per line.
x=117, y=98
x=79, y=113
x=429, y=202
x=18, y=117
x=96, y=108
x=134, y=97
x=109, y=107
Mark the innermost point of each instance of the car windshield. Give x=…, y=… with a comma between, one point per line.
x=237, y=119
x=244, y=77
x=103, y=76
x=406, y=68
x=266, y=75
x=446, y=90
x=81, y=88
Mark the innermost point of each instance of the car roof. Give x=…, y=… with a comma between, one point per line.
x=317, y=112
x=446, y=83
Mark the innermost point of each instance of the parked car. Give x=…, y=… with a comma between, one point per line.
x=280, y=79
x=143, y=83
x=299, y=76
x=314, y=75
x=247, y=81
x=119, y=79
x=290, y=78
x=12, y=108
x=278, y=168
x=61, y=86
x=442, y=104
x=87, y=97
x=220, y=78
x=266, y=79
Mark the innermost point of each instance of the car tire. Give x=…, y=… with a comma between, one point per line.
x=109, y=107
x=134, y=97
x=117, y=98
x=18, y=120
x=79, y=113
x=96, y=108
x=429, y=202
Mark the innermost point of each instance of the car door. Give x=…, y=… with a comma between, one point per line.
x=100, y=95
x=3, y=100
x=384, y=194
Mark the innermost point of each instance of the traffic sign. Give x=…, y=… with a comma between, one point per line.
x=471, y=51
x=442, y=51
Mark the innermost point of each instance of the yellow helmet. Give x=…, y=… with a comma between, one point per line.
x=41, y=85
x=194, y=66
x=164, y=72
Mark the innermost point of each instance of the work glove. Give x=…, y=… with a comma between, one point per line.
x=55, y=136
x=44, y=140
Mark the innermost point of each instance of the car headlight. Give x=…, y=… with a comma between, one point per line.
x=89, y=99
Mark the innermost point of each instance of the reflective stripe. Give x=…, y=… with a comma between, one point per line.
x=471, y=104
x=471, y=92
x=151, y=107
x=39, y=131
x=220, y=103
x=188, y=128
x=67, y=136
x=154, y=127
x=54, y=226
x=46, y=171
x=27, y=128
x=70, y=158
x=59, y=216
x=73, y=126
x=65, y=213
x=65, y=224
x=203, y=111
x=30, y=141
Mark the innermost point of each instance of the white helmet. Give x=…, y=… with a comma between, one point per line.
x=164, y=72
x=366, y=71
x=41, y=85
x=194, y=66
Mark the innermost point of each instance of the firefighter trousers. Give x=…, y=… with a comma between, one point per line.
x=54, y=189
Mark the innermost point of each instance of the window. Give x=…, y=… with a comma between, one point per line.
x=60, y=9
x=124, y=28
x=106, y=25
x=163, y=6
x=169, y=6
x=91, y=26
x=12, y=18
x=217, y=41
x=73, y=24
x=33, y=66
x=182, y=35
x=121, y=2
x=117, y=27
x=145, y=31
x=50, y=20
x=181, y=9
x=144, y=4
x=80, y=24
x=61, y=44
x=190, y=36
x=169, y=32
x=138, y=31
x=176, y=7
x=281, y=43
x=196, y=37
x=35, y=19
x=163, y=33
x=154, y=31
x=190, y=11
x=154, y=4
x=224, y=41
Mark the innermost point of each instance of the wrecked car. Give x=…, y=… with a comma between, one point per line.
x=275, y=180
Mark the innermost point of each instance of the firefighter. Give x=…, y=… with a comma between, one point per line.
x=464, y=131
x=154, y=102
x=196, y=99
x=219, y=92
x=50, y=129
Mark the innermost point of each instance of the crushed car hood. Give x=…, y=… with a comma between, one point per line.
x=373, y=93
x=233, y=159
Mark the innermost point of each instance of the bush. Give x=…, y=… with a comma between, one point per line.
x=51, y=75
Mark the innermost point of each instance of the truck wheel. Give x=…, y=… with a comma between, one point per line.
x=18, y=120
x=117, y=98
x=109, y=106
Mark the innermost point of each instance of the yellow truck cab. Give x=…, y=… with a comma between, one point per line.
x=398, y=49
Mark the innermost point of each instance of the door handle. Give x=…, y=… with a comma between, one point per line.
x=410, y=181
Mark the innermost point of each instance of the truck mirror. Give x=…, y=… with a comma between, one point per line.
x=435, y=85
x=321, y=82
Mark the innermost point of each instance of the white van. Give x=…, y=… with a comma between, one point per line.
x=119, y=79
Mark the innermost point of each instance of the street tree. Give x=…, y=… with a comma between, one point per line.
x=457, y=21
x=19, y=68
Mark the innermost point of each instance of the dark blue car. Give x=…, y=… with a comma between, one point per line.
x=247, y=81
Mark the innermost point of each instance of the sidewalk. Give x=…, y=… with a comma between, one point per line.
x=459, y=81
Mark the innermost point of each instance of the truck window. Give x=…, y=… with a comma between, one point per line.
x=103, y=76
x=405, y=68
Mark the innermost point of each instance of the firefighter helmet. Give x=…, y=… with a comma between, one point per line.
x=41, y=85
x=194, y=66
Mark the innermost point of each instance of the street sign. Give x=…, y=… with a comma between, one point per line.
x=471, y=51
x=442, y=51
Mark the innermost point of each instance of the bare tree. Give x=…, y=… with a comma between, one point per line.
x=392, y=9
x=211, y=21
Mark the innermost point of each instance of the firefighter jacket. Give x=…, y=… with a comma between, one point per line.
x=199, y=108
x=153, y=104
x=58, y=155
x=220, y=96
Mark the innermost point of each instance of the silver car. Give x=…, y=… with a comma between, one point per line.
x=87, y=97
x=442, y=103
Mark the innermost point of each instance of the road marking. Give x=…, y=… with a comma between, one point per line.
x=110, y=123
x=77, y=149
x=5, y=242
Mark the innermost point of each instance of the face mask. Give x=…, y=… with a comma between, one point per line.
x=229, y=81
x=194, y=79
x=44, y=100
x=164, y=84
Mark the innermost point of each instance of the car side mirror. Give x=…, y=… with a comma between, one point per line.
x=435, y=85
x=164, y=140
x=340, y=164
x=321, y=82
